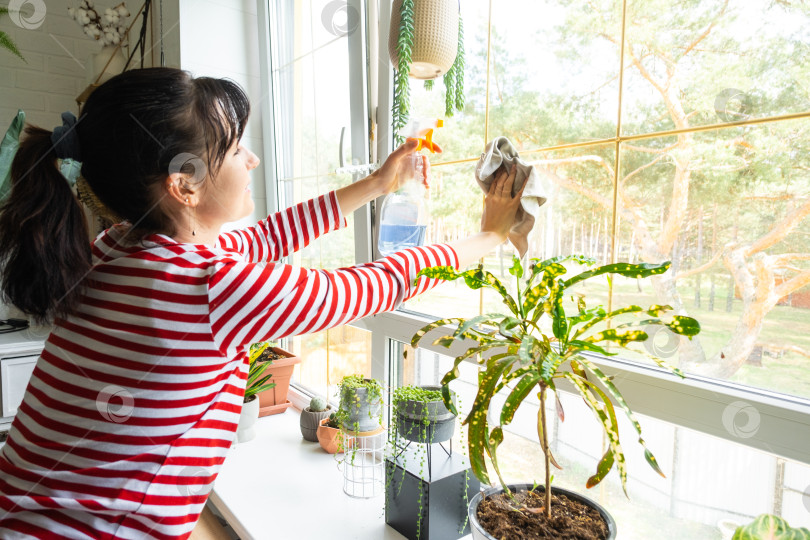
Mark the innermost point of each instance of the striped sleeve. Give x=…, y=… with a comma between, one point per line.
x=287, y=231
x=251, y=302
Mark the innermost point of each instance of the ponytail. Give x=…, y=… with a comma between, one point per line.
x=44, y=247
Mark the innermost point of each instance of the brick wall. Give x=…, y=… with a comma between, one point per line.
x=55, y=73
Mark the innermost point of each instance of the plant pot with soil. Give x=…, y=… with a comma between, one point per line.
x=421, y=416
x=280, y=363
x=360, y=408
x=574, y=515
x=330, y=436
x=311, y=418
x=516, y=351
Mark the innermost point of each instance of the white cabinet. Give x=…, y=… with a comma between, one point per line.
x=14, y=376
x=19, y=352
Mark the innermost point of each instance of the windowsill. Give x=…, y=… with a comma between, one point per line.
x=281, y=486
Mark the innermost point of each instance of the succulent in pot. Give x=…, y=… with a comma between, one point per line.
x=360, y=404
x=421, y=416
x=330, y=436
x=522, y=358
x=257, y=382
x=311, y=417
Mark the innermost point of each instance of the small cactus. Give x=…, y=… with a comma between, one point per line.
x=317, y=404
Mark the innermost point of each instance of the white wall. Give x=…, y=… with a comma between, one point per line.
x=56, y=52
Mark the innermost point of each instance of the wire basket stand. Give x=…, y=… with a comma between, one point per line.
x=364, y=463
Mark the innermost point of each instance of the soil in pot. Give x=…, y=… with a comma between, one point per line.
x=570, y=519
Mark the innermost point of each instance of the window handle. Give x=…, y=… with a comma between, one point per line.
x=354, y=168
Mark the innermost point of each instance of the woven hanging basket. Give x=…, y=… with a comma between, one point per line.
x=435, y=36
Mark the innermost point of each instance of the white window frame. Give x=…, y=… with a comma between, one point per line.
x=698, y=403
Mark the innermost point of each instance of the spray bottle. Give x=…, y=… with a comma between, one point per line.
x=404, y=215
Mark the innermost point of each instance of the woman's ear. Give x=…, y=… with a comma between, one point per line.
x=177, y=187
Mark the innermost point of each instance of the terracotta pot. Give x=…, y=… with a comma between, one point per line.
x=330, y=438
x=247, y=420
x=274, y=400
x=478, y=532
x=310, y=420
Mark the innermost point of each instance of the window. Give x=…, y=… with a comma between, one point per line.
x=663, y=131
x=316, y=118
x=641, y=165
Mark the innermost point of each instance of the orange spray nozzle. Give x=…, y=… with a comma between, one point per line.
x=424, y=136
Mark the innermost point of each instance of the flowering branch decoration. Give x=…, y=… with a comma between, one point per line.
x=110, y=28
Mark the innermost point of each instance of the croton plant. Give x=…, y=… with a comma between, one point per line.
x=515, y=352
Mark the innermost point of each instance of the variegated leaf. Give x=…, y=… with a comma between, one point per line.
x=603, y=316
x=607, y=417
x=417, y=337
x=640, y=270
x=517, y=395
x=478, y=434
x=617, y=396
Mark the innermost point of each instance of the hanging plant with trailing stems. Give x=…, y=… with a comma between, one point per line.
x=403, y=59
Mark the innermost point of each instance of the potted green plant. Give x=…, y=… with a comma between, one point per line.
x=420, y=416
x=360, y=408
x=768, y=527
x=530, y=359
x=5, y=39
x=311, y=417
x=426, y=40
x=329, y=434
x=258, y=381
x=280, y=363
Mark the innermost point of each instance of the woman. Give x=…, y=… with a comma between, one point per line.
x=140, y=384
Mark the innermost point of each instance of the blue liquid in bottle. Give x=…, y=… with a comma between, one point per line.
x=404, y=218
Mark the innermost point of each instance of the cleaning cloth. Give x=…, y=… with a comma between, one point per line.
x=501, y=151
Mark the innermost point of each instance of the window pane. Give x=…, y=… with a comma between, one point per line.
x=730, y=209
x=311, y=88
x=703, y=483
x=455, y=210
x=329, y=356
x=716, y=61
x=543, y=91
x=576, y=219
x=336, y=249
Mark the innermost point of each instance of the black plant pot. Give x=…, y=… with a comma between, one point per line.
x=478, y=532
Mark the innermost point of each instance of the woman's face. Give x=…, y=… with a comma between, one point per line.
x=226, y=197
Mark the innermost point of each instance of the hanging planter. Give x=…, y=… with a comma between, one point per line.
x=425, y=41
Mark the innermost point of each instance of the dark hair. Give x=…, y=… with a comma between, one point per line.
x=132, y=131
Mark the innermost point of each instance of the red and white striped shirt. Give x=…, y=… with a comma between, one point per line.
x=135, y=400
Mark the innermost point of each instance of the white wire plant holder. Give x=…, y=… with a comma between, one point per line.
x=364, y=463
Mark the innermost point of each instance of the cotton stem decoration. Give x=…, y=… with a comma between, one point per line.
x=110, y=27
